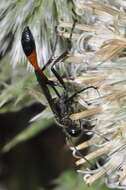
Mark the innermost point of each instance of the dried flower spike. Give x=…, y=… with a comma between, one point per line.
x=101, y=43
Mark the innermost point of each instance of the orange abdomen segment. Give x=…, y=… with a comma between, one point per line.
x=33, y=60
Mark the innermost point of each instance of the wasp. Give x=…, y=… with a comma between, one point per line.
x=61, y=105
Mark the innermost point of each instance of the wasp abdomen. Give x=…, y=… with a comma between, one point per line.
x=27, y=41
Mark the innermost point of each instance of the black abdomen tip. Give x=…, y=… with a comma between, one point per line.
x=27, y=41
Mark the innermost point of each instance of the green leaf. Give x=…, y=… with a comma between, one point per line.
x=28, y=133
x=45, y=114
x=71, y=180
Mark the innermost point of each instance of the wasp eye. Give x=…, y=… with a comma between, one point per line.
x=74, y=132
x=27, y=41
